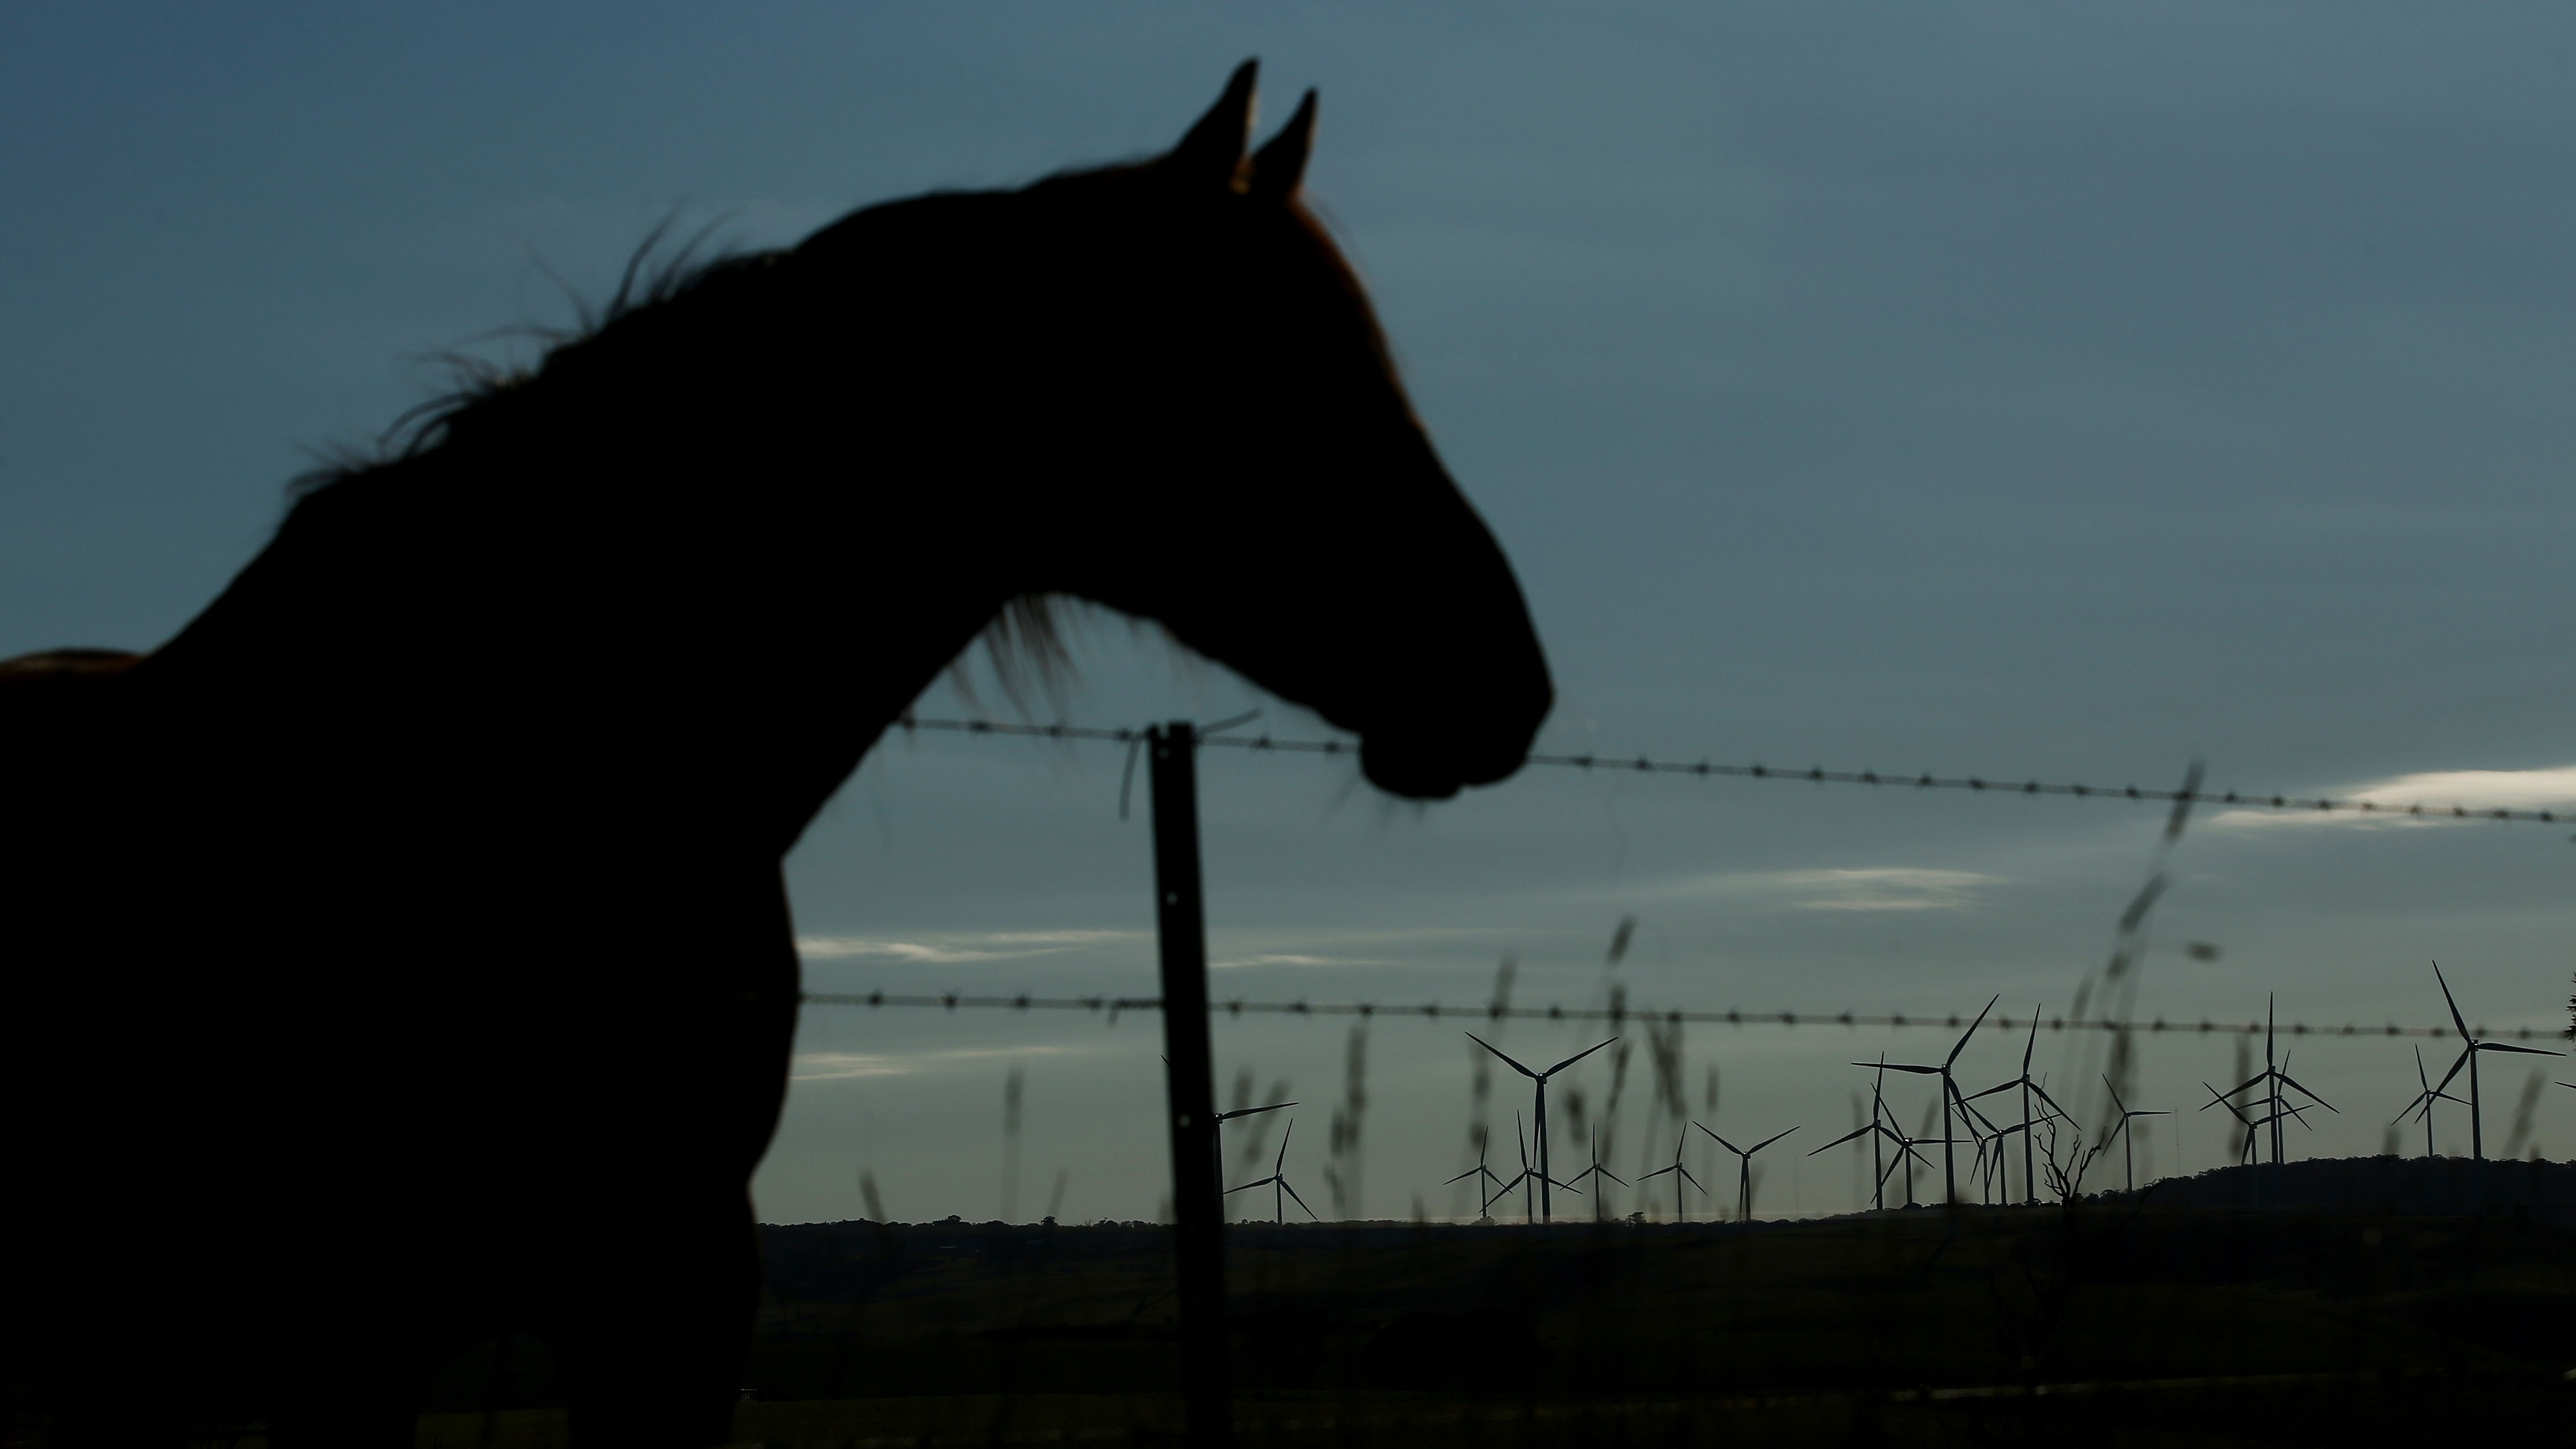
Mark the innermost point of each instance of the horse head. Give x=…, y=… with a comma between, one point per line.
x=1194, y=372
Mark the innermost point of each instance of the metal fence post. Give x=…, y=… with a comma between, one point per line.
x=1198, y=1206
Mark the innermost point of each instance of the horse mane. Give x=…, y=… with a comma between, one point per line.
x=649, y=279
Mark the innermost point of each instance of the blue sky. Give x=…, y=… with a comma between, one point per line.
x=2068, y=390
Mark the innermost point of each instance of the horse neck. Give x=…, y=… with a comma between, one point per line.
x=700, y=681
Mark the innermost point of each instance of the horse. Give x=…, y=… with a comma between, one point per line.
x=399, y=954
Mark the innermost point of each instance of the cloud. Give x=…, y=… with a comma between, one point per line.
x=2439, y=792
x=1880, y=888
x=997, y=946
x=1885, y=889
x=846, y=1066
x=1294, y=960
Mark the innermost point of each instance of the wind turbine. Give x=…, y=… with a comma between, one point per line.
x=1744, y=1170
x=2029, y=1179
x=1545, y=1208
x=2425, y=1099
x=2273, y=1078
x=1908, y=1154
x=1526, y=1177
x=1949, y=1093
x=2245, y=1154
x=1277, y=1181
x=1878, y=1136
x=2469, y=1059
x=1487, y=1173
x=2251, y=1153
x=1596, y=1172
x=2128, y=1150
x=1682, y=1174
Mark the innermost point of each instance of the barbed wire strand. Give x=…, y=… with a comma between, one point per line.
x=1642, y=764
x=1435, y=1011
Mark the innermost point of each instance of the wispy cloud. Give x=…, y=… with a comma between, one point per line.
x=845, y=1066
x=1880, y=888
x=1886, y=889
x=1285, y=959
x=996, y=946
x=2438, y=791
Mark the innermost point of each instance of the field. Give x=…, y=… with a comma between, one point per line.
x=2363, y=1302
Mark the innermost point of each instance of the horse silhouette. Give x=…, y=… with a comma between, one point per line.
x=398, y=956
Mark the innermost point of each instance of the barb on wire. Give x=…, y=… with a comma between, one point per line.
x=1436, y=1011
x=1643, y=764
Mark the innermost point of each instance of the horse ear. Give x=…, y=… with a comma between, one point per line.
x=1280, y=165
x=1211, y=155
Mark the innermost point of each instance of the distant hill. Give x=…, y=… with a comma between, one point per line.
x=2378, y=1186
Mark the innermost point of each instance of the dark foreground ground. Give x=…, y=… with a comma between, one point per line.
x=2369, y=1302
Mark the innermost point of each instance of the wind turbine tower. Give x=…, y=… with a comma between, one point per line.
x=1596, y=1172
x=2469, y=1058
x=2029, y=1177
x=1682, y=1175
x=1539, y=1080
x=1744, y=1170
x=2128, y=1144
x=1949, y=1095
x=2425, y=1099
x=1277, y=1182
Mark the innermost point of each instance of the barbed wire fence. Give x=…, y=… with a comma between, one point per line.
x=1644, y=764
x=1618, y=1014
x=1112, y=1006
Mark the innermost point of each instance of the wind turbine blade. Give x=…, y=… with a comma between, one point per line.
x=2248, y=1084
x=2497, y=1046
x=1251, y=1111
x=1301, y=1202
x=2289, y=1080
x=2218, y=1098
x=1507, y=1061
x=2115, y=1097
x=1722, y=1142
x=1578, y=1056
x=1846, y=1137
x=1901, y=1067
x=1614, y=1177
x=2042, y=1093
x=1686, y=1177
x=2465, y=1054
x=1972, y=1029
x=2421, y=1080
x=1767, y=1141
x=2447, y=1001
x=1990, y=1091
x=1265, y=1182
x=1658, y=1172
x=1462, y=1177
x=2033, y=1042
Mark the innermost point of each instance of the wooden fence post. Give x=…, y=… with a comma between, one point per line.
x=1198, y=1204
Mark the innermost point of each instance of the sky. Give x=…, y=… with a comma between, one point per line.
x=2065, y=391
